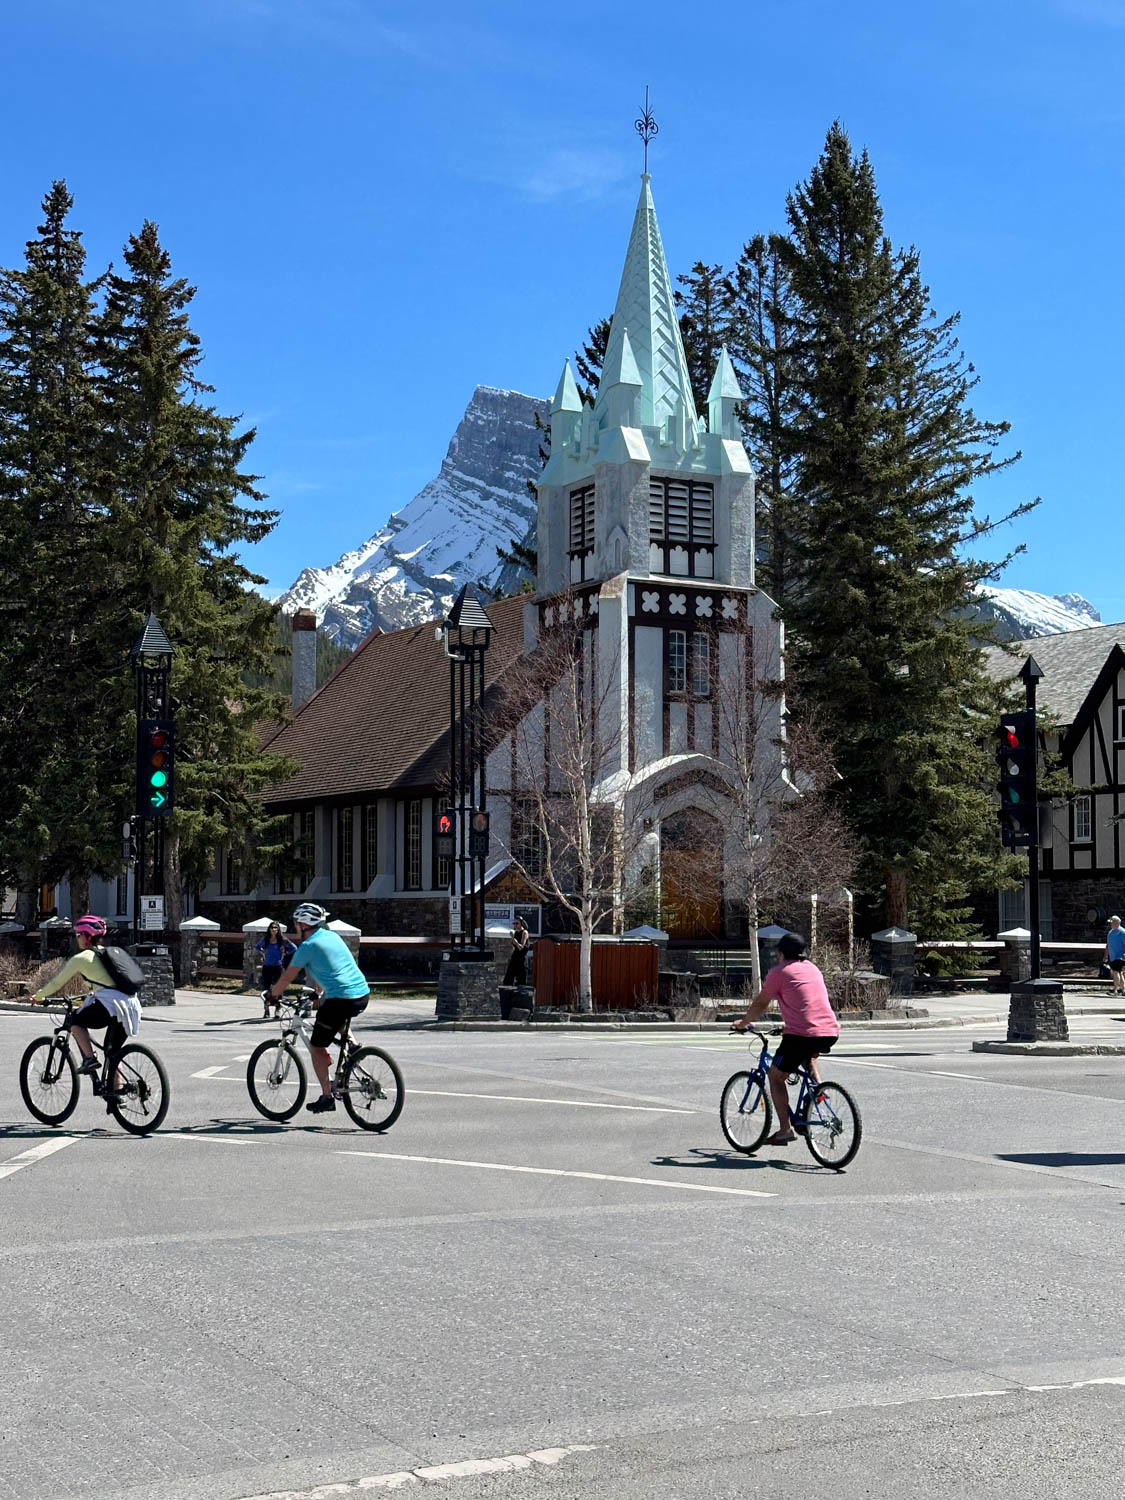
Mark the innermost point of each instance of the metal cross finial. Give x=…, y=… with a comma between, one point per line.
x=646, y=127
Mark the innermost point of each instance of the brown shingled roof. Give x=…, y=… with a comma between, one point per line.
x=382, y=720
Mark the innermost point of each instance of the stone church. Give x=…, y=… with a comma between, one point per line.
x=646, y=547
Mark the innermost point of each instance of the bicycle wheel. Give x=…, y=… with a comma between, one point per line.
x=275, y=1076
x=49, y=1081
x=833, y=1125
x=745, y=1111
x=138, y=1090
x=372, y=1089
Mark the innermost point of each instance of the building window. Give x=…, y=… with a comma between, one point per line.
x=345, y=880
x=369, y=844
x=1082, y=827
x=701, y=665
x=442, y=864
x=1120, y=736
x=304, y=847
x=232, y=875
x=527, y=837
x=677, y=661
x=414, y=845
x=581, y=532
x=681, y=528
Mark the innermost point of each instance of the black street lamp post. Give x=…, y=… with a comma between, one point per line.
x=151, y=658
x=466, y=632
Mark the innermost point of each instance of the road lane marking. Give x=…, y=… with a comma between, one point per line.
x=36, y=1153
x=500, y=1166
x=644, y=1109
x=433, y=1474
x=218, y=1140
x=211, y=1072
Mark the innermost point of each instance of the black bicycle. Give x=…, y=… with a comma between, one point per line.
x=130, y=1080
x=825, y=1113
x=367, y=1079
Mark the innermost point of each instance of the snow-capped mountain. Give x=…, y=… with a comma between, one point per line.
x=413, y=567
x=1020, y=614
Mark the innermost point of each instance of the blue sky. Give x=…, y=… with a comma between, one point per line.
x=385, y=205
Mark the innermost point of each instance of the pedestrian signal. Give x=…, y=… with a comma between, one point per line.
x=1019, y=808
x=156, y=767
x=445, y=837
x=478, y=834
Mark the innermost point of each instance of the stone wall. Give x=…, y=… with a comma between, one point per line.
x=1071, y=899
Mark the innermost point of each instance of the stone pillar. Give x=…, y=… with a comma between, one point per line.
x=892, y=955
x=54, y=938
x=768, y=939
x=252, y=934
x=304, y=657
x=467, y=987
x=351, y=935
x=197, y=948
x=1036, y=1012
x=159, y=987
x=1015, y=961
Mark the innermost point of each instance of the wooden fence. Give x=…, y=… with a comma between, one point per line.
x=624, y=976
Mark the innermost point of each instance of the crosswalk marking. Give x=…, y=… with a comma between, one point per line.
x=36, y=1153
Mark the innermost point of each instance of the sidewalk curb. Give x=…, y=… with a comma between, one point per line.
x=1052, y=1049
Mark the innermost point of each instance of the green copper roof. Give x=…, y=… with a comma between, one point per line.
x=621, y=366
x=646, y=308
x=725, y=382
x=567, y=397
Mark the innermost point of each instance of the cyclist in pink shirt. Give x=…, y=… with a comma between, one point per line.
x=809, y=1024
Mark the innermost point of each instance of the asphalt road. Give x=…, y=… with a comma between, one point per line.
x=552, y=1278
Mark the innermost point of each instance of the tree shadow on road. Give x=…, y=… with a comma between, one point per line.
x=1066, y=1158
x=725, y=1161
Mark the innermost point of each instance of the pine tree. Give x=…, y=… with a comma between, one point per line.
x=178, y=502
x=62, y=780
x=886, y=451
x=759, y=346
x=705, y=310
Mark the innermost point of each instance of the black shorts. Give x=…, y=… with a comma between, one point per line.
x=1117, y=963
x=94, y=1017
x=331, y=1016
x=795, y=1051
x=271, y=973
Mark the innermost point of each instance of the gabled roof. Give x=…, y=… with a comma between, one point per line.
x=382, y=720
x=647, y=308
x=1072, y=663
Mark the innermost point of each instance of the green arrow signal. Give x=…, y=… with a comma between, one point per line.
x=158, y=799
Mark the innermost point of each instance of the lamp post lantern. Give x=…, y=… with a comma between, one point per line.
x=151, y=658
x=465, y=634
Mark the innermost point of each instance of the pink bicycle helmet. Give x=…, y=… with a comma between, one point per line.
x=92, y=926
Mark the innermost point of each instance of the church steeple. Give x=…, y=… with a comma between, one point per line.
x=647, y=309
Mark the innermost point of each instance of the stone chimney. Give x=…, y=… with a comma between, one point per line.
x=304, y=657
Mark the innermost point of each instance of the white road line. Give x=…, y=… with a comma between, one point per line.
x=500, y=1166
x=435, y=1474
x=644, y=1109
x=37, y=1153
x=217, y=1140
x=211, y=1072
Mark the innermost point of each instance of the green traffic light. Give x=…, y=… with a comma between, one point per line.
x=158, y=778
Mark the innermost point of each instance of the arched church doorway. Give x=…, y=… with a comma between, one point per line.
x=691, y=875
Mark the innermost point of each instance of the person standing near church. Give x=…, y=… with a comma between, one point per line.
x=1115, y=954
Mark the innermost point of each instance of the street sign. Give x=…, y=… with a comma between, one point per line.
x=152, y=913
x=455, y=915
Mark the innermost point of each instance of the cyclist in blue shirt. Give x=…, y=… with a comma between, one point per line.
x=1115, y=954
x=344, y=993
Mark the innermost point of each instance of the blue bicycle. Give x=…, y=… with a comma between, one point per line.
x=825, y=1113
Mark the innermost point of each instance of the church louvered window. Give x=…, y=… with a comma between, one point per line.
x=681, y=528
x=581, y=533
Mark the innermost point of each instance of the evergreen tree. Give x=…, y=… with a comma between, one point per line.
x=759, y=346
x=705, y=323
x=588, y=360
x=62, y=778
x=886, y=451
x=178, y=502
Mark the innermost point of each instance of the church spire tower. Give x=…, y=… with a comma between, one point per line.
x=638, y=482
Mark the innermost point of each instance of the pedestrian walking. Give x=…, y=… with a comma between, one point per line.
x=1115, y=954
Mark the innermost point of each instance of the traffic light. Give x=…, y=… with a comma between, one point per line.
x=156, y=767
x=478, y=834
x=1019, y=811
x=128, y=842
x=445, y=838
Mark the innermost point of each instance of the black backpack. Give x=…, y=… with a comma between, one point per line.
x=122, y=968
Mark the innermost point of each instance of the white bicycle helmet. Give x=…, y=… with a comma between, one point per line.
x=310, y=915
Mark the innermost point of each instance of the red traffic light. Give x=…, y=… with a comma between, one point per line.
x=480, y=822
x=445, y=823
x=157, y=739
